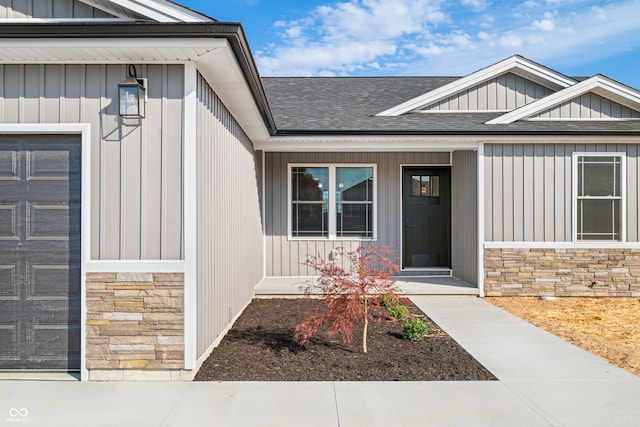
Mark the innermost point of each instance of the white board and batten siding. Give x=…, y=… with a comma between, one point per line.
x=502, y=93
x=48, y=9
x=136, y=169
x=229, y=247
x=528, y=190
x=589, y=106
x=286, y=257
x=464, y=220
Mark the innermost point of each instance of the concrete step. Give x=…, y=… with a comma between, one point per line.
x=426, y=285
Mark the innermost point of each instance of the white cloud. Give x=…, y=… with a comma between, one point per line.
x=347, y=35
x=545, y=24
x=477, y=4
x=511, y=41
x=439, y=37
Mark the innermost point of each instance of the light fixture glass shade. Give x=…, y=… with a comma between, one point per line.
x=131, y=95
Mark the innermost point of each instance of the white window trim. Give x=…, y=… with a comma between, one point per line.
x=623, y=193
x=333, y=235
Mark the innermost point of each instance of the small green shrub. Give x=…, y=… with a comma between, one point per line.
x=415, y=329
x=388, y=300
x=398, y=311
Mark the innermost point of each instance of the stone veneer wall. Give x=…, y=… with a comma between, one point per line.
x=562, y=272
x=135, y=326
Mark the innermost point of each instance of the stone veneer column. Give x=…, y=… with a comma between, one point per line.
x=562, y=272
x=135, y=326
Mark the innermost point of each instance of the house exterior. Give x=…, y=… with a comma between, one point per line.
x=128, y=246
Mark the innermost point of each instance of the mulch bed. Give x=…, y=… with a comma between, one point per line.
x=260, y=347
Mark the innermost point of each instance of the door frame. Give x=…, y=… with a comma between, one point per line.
x=401, y=222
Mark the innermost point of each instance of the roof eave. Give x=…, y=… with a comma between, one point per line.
x=404, y=132
x=232, y=32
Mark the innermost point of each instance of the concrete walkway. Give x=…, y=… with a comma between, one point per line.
x=543, y=382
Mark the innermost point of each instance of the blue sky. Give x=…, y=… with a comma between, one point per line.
x=435, y=37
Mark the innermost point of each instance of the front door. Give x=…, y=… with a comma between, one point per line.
x=426, y=217
x=40, y=252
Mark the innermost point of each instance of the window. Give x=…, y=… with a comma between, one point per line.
x=425, y=186
x=309, y=201
x=332, y=201
x=599, y=205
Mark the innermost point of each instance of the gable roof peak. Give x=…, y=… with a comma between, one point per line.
x=515, y=64
x=598, y=84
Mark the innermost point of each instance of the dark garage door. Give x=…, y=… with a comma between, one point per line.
x=40, y=252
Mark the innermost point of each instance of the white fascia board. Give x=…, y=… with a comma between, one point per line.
x=513, y=63
x=161, y=11
x=368, y=143
x=599, y=84
x=426, y=143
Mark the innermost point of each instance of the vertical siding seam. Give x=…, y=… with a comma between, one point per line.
x=41, y=95
x=103, y=190
x=62, y=113
x=142, y=185
x=123, y=182
x=21, y=90
x=164, y=170
x=2, y=92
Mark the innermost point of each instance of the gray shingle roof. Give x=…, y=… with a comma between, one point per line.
x=348, y=105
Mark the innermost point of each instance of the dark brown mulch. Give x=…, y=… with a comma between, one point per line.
x=260, y=347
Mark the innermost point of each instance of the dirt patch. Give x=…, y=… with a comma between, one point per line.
x=260, y=347
x=606, y=327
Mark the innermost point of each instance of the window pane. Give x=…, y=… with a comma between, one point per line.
x=425, y=186
x=309, y=184
x=599, y=176
x=309, y=219
x=599, y=219
x=354, y=184
x=355, y=219
x=416, y=185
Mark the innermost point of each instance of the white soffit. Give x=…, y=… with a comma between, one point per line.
x=598, y=84
x=88, y=50
x=221, y=70
x=155, y=10
x=514, y=64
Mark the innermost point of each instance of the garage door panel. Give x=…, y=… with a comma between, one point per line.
x=49, y=281
x=52, y=222
x=40, y=242
x=8, y=163
x=51, y=340
x=49, y=347
x=9, y=221
x=9, y=283
x=52, y=164
x=9, y=340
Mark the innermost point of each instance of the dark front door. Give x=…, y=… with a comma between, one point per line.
x=426, y=211
x=40, y=252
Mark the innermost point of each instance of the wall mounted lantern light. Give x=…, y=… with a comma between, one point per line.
x=132, y=95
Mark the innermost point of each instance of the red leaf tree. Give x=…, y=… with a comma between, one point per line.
x=350, y=295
